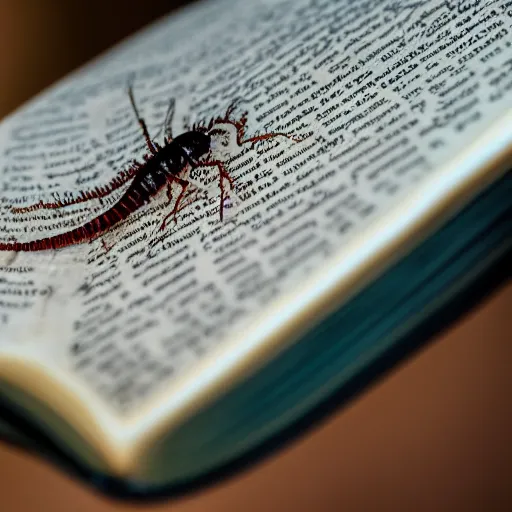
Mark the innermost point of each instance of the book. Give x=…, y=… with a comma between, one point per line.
x=353, y=198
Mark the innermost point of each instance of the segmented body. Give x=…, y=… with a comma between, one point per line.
x=163, y=166
x=157, y=171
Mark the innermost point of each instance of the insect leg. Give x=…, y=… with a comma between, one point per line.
x=106, y=248
x=184, y=184
x=141, y=122
x=223, y=174
x=240, y=125
x=269, y=135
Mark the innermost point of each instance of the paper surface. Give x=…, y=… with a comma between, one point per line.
x=385, y=92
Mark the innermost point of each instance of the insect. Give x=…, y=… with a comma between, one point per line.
x=162, y=166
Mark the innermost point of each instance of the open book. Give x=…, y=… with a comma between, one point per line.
x=149, y=356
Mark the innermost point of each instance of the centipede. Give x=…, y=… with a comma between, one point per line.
x=162, y=166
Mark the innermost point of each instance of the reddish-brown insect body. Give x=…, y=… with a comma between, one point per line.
x=162, y=166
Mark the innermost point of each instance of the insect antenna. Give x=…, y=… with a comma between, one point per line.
x=141, y=121
x=167, y=124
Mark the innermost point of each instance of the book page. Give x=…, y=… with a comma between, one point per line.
x=378, y=95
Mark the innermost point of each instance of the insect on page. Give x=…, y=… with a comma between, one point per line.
x=156, y=200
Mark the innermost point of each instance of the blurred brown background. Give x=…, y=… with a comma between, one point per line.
x=42, y=40
x=435, y=435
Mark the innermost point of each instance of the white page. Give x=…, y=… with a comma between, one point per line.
x=387, y=92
